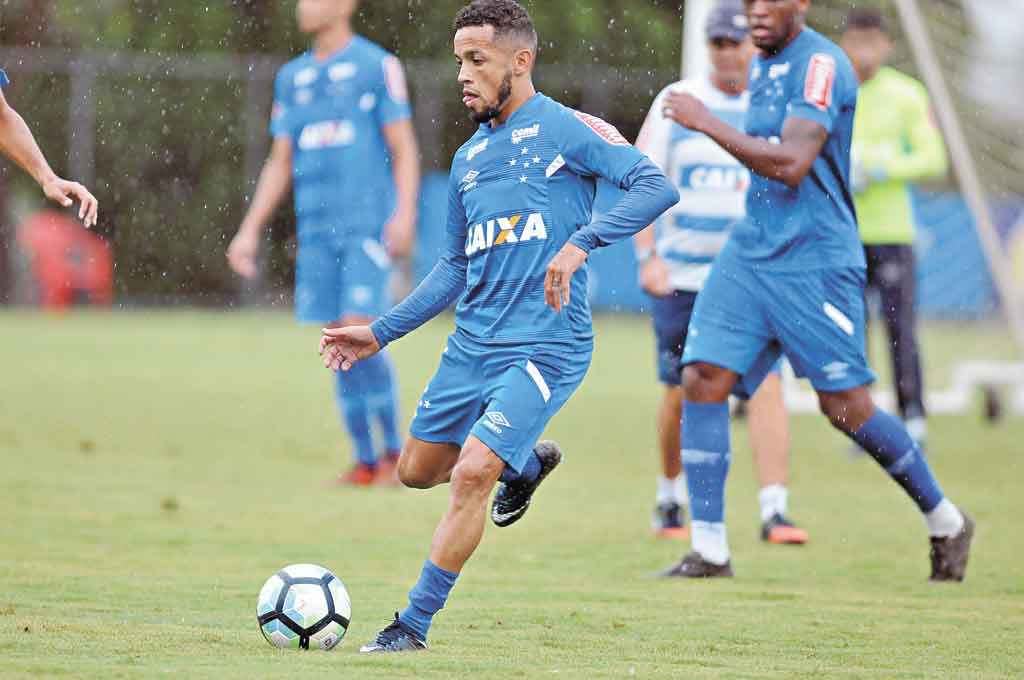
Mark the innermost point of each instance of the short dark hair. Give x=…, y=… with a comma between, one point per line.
x=508, y=17
x=866, y=19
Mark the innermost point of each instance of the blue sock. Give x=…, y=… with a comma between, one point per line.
x=351, y=396
x=531, y=471
x=889, y=443
x=427, y=598
x=382, y=396
x=705, y=455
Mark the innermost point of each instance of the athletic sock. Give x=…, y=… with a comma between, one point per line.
x=889, y=443
x=351, y=396
x=773, y=499
x=710, y=540
x=705, y=456
x=945, y=520
x=427, y=598
x=530, y=473
x=381, y=389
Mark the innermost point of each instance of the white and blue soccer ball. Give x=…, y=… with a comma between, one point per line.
x=304, y=606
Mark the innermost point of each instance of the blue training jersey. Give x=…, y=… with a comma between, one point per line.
x=518, y=192
x=334, y=112
x=814, y=225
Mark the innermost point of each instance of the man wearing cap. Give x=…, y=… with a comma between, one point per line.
x=675, y=256
x=18, y=144
x=895, y=141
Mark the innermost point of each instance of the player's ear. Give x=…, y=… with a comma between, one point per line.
x=522, y=61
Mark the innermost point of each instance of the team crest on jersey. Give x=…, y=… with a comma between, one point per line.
x=476, y=150
x=505, y=231
x=328, y=133
x=602, y=129
x=522, y=134
x=821, y=76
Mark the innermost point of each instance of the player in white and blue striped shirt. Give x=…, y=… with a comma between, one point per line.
x=676, y=255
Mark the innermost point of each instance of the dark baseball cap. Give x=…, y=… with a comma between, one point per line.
x=727, y=19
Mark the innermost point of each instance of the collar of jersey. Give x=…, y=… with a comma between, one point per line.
x=334, y=56
x=520, y=112
x=788, y=49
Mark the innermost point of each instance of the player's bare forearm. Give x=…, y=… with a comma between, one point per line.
x=405, y=154
x=18, y=144
x=643, y=241
x=274, y=181
x=788, y=162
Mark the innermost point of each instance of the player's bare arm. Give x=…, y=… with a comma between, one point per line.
x=274, y=182
x=653, y=274
x=788, y=162
x=400, y=231
x=18, y=144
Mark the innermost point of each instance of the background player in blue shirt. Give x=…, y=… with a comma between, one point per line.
x=676, y=255
x=790, y=280
x=519, y=228
x=343, y=136
x=18, y=144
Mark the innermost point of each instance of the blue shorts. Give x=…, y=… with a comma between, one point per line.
x=672, y=316
x=502, y=395
x=746, y=319
x=333, y=281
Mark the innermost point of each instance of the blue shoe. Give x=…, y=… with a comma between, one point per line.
x=395, y=638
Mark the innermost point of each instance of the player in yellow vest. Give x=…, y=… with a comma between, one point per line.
x=895, y=142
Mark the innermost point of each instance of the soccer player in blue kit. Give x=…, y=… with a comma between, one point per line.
x=790, y=280
x=519, y=229
x=342, y=133
x=18, y=144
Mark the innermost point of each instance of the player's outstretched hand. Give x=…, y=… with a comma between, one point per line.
x=686, y=110
x=242, y=253
x=654, y=279
x=342, y=347
x=558, y=280
x=65, y=193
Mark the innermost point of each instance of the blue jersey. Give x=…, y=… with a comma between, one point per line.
x=518, y=192
x=333, y=112
x=814, y=225
x=4, y=82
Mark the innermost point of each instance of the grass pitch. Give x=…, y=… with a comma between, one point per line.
x=158, y=467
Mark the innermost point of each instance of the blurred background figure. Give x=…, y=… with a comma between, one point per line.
x=676, y=255
x=341, y=127
x=895, y=141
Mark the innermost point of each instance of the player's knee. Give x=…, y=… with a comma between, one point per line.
x=476, y=475
x=707, y=383
x=849, y=410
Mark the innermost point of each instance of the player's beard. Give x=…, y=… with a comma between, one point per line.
x=492, y=112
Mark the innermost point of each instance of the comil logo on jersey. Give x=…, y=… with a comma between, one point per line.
x=505, y=231
x=329, y=133
x=821, y=76
x=522, y=134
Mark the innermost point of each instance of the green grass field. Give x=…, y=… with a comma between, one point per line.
x=158, y=467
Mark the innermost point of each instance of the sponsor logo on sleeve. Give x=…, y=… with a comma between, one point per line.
x=821, y=76
x=602, y=129
x=394, y=78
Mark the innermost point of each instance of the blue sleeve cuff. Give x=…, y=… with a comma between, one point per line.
x=380, y=331
x=584, y=240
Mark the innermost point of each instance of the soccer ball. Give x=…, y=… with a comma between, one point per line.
x=304, y=605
